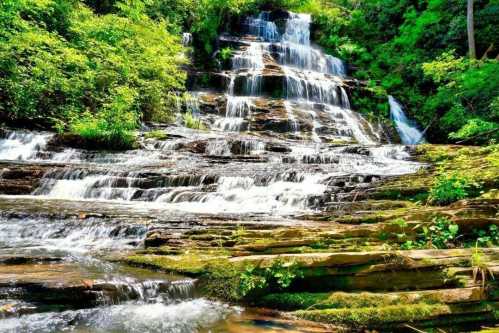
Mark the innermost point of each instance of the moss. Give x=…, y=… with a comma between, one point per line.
x=157, y=134
x=375, y=316
x=217, y=277
x=338, y=300
x=190, y=265
x=292, y=301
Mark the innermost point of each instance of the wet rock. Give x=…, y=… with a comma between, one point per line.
x=20, y=260
x=197, y=147
x=213, y=81
x=277, y=147
x=360, y=150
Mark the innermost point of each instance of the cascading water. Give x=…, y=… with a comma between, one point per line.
x=20, y=145
x=407, y=129
x=278, y=150
x=262, y=27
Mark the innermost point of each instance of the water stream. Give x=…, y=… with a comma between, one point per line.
x=268, y=156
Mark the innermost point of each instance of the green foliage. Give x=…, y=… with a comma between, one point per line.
x=417, y=51
x=475, y=127
x=481, y=270
x=226, y=53
x=113, y=126
x=441, y=234
x=448, y=188
x=401, y=236
x=156, y=134
x=190, y=121
x=64, y=66
x=278, y=276
x=487, y=237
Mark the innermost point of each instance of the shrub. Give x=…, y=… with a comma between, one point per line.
x=156, y=134
x=278, y=276
x=113, y=126
x=450, y=188
x=225, y=54
x=487, y=237
x=441, y=234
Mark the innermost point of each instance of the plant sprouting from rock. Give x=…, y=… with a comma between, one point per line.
x=278, y=276
x=481, y=271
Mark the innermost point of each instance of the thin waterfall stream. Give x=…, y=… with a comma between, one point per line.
x=282, y=143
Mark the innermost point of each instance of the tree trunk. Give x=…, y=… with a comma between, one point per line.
x=471, y=32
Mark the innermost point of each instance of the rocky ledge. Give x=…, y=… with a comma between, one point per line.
x=371, y=261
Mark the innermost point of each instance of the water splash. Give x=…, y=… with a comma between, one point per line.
x=182, y=317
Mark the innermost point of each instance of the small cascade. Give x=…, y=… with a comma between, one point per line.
x=20, y=145
x=182, y=289
x=295, y=49
x=237, y=110
x=192, y=103
x=251, y=58
x=76, y=183
x=294, y=125
x=407, y=128
x=219, y=147
x=262, y=27
x=251, y=147
x=182, y=317
x=73, y=236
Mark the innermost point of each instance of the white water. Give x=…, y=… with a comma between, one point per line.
x=183, y=317
x=407, y=129
x=73, y=236
x=261, y=26
x=19, y=145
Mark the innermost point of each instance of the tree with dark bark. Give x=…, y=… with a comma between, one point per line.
x=471, y=32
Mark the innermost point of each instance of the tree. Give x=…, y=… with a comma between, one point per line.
x=471, y=32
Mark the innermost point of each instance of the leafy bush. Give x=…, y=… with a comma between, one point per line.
x=64, y=66
x=114, y=126
x=278, y=276
x=487, y=237
x=226, y=53
x=449, y=188
x=441, y=234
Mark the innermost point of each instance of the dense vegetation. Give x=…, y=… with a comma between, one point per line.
x=65, y=66
x=96, y=68
x=417, y=51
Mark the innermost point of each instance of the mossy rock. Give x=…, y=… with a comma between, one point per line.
x=392, y=316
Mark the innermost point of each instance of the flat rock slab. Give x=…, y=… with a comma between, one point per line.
x=363, y=258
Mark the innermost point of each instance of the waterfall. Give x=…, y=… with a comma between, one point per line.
x=407, y=128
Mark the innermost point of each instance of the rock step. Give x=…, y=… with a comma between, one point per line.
x=340, y=300
x=404, y=316
x=61, y=283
